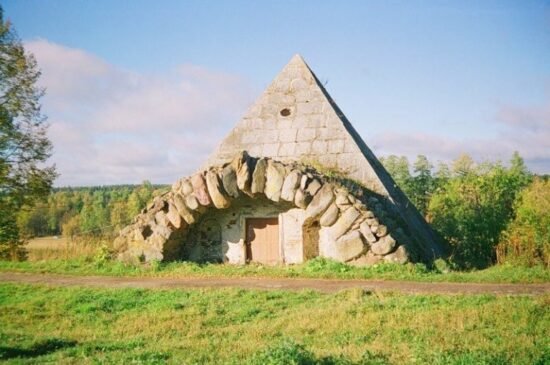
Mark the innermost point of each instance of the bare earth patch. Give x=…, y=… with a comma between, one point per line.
x=321, y=285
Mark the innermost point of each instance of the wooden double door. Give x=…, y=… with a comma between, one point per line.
x=262, y=241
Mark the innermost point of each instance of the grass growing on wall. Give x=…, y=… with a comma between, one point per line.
x=75, y=325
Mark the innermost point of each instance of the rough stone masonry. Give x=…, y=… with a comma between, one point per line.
x=354, y=226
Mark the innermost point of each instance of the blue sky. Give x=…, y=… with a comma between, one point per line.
x=145, y=89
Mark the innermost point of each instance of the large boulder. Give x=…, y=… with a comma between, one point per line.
x=290, y=185
x=161, y=219
x=399, y=256
x=313, y=186
x=383, y=246
x=320, y=202
x=181, y=207
x=275, y=176
x=215, y=189
x=330, y=216
x=185, y=187
x=302, y=199
x=244, y=166
x=346, y=247
x=258, y=177
x=342, y=201
x=200, y=190
x=191, y=202
x=173, y=216
x=381, y=231
x=344, y=223
x=365, y=230
x=229, y=181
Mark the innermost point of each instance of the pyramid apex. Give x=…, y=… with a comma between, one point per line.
x=297, y=59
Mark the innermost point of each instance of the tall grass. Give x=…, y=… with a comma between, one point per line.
x=50, y=248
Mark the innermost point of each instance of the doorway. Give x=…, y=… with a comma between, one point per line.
x=262, y=241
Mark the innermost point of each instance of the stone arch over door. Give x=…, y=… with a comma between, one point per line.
x=349, y=222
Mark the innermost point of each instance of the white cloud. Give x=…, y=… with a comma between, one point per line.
x=110, y=125
x=522, y=129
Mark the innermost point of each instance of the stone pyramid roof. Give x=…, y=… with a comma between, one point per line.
x=295, y=119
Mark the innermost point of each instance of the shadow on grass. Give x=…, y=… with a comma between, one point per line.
x=38, y=349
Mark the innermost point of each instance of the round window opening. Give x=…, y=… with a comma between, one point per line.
x=285, y=112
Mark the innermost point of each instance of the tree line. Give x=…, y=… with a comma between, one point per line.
x=486, y=212
x=86, y=211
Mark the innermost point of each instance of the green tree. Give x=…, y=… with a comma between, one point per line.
x=71, y=227
x=473, y=208
x=422, y=184
x=24, y=146
x=118, y=214
x=139, y=198
x=33, y=222
x=442, y=175
x=527, y=238
x=464, y=165
x=399, y=169
x=419, y=185
x=94, y=217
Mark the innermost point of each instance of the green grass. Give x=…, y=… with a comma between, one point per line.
x=75, y=325
x=317, y=268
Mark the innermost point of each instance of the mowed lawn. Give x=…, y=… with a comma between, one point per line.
x=80, y=325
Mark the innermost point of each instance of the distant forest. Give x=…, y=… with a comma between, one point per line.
x=96, y=210
x=487, y=211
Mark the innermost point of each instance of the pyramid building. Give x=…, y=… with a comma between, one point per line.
x=292, y=180
x=296, y=119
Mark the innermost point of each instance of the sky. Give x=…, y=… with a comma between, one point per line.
x=144, y=90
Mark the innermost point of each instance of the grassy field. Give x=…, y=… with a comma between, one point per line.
x=317, y=268
x=61, y=256
x=232, y=326
x=76, y=325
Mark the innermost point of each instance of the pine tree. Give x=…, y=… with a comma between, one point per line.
x=422, y=184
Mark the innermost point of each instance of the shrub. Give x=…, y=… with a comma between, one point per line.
x=527, y=239
x=103, y=254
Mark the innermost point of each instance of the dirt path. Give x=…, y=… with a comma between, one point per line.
x=322, y=285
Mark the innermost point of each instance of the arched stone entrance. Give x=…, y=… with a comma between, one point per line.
x=204, y=217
